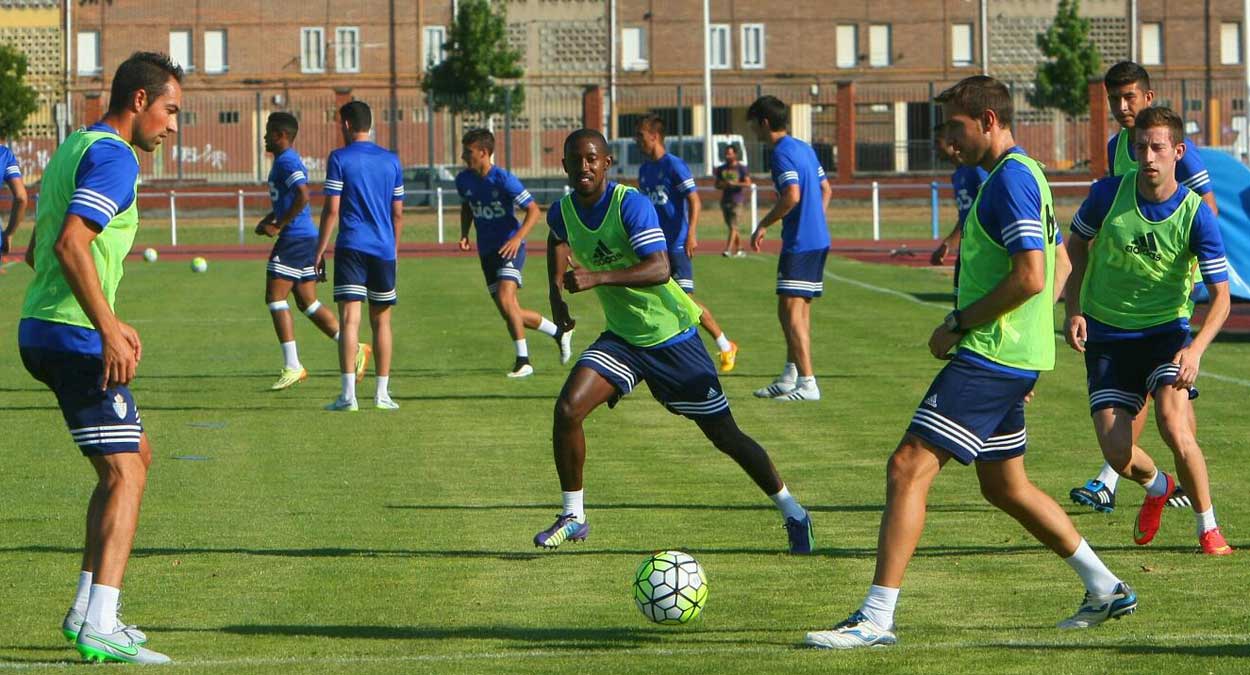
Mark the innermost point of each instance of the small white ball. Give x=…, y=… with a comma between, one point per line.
x=149, y=254
x=199, y=265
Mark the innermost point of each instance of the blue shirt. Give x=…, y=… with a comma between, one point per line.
x=285, y=177
x=804, y=227
x=637, y=214
x=1010, y=210
x=368, y=178
x=666, y=182
x=965, y=183
x=9, y=168
x=1191, y=171
x=104, y=186
x=492, y=199
x=1205, y=242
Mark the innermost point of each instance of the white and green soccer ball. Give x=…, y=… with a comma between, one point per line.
x=670, y=588
x=199, y=264
x=149, y=254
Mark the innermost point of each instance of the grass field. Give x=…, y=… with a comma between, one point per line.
x=280, y=538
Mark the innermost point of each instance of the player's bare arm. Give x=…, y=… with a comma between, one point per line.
x=652, y=270
x=694, y=206
x=511, y=247
x=16, y=213
x=1190, y=357
x=1026, y=279
x=466, y=222
x=397, y=222
x=557, y=263
x=1075, y=331
x=786, y=201
x=329, y=219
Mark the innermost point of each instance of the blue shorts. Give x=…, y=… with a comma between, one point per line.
x=974, y=413
x=680, y=374
x=1122, y=373
x=496, y=268
x=293, y=258
x=358, y=276
x=681, y=268
x=101, y=421
x=802, y=274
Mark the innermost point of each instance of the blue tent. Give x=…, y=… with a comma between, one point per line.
x=1231, y=181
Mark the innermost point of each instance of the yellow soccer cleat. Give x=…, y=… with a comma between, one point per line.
x=289, y=378
x=729, y=359
x=363, y=352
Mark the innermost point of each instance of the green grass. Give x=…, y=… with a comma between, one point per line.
x=400, y=542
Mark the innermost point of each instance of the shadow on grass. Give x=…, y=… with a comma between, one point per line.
x=978, y=507
x=1236, y=650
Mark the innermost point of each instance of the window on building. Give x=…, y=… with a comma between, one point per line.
x=435, y=36
x=634, y=48
x=1151, y=44
x=961, y=44
x=312, y=54
x=228, y=117
x=752, y=45
x=180, y=48
x=88, y=52
x=848, y=47
x=1230, y=43
x=718, y=46
x=215, y=51
x=879, y=45
x=347, y=49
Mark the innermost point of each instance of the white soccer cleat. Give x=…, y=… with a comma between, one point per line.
x=566, y=346
x=855, y=633
x=777, y=388
x=521, y=370
x=811, y=393
x=385, y=404
x=341, y=404
x=1096, y=609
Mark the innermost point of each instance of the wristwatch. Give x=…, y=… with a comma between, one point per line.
x=952, y=323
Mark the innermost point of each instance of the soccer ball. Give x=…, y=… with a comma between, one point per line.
x=199, y=265
x=149, y=254
x=670, y=588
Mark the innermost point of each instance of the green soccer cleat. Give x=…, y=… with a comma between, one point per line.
x=119, y=646
x=72, y=623
x=289, y=378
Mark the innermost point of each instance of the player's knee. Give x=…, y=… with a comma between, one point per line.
x=997, y=494
x=568, y=413
x=905, y=465
x=1178, y=436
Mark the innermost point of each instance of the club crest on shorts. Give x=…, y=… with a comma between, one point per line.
x=119, y=406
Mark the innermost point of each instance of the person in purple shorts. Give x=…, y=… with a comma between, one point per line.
x=732, y=179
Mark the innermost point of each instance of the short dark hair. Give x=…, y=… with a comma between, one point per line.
x=482, y=138
x=593, y=134
x=939, y=130
x=974, y=95
x=1125, y=73
x=284, y=122
x=357, y=115
x=149, y=71
x=650, y=122
x=1160, y=116
x=772, y=109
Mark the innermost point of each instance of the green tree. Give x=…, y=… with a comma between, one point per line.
x=18, y=100
x=1072, y=61
x=477, y=57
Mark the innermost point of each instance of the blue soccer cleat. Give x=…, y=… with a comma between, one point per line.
x=566, y=528
x=1094, y=494
x=1096, y=609
x=802, y=539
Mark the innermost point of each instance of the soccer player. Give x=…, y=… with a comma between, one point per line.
x=1003, y=334
x=732, y=179
x=965, y=182
x=11, y=173
x=651, y=335
x=71, y=340
x=364, y=192
x=488, y=195
x=666, y=180
x=1135, y=240
x=799, y=178
x=292, y=262
x=1129, y=94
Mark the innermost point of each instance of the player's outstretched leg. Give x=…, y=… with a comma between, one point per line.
x=380, y=322
x=723, y=431
x=584, y=390
x=728, y=349
x=1176, y=420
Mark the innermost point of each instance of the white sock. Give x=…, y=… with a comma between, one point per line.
x=573, y=504
x=102, y=607
x=1158, y=486
x=878, y=607
x=1097, y=578
x=349, y=386
x=522, y=348
x=290, y=355
x=1108, y=476
x=722, y=343
x=790, y=372
x=384, y=387
x=788, y=504
x=546, y=327
x=808, y=382
x=84, y=591
x=1206, y=521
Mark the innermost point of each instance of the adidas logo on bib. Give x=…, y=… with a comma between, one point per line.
x=604, y=256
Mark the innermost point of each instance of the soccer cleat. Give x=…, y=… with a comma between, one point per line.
x=811, y=393
x=1151, y=512
x=740, y=254
x=1096, y=609
x=289, y=378
x=118, y=646
x=363, y=352
x=340, y=404
x=522, y=368
x=777, y=388
x=729, y=359
x=1094, y=493
x=566, y=528
x=565, y=341
x=854, y=633
x=385, y=404
x=1213, y=543
x=802, y=538
x=1179, y=500
x=73, y=623
x=725, y=254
